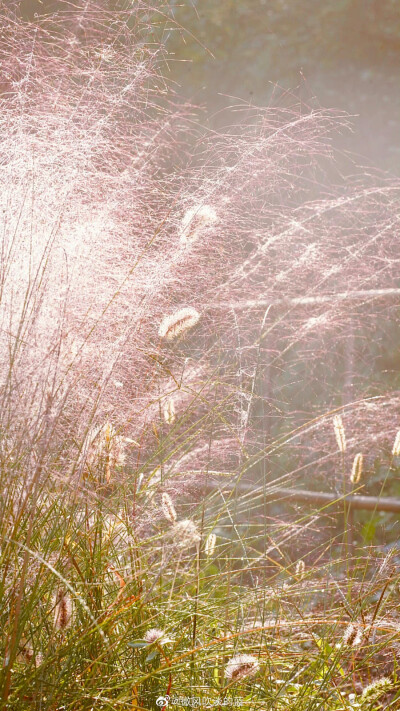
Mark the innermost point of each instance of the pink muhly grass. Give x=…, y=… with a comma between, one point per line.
x=97, y=261
x=93, y=260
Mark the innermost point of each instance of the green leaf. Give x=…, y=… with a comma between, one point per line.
x=368, y=531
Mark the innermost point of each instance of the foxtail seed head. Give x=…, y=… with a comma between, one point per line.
x=178, y=323
x=396, y=445
x=357, y=468
x=168, y=508
x=339, y=432
x=241, y=666
x=352, y=635
x=374, y=691
x=300, y=569
x=210, y=544
x=157, y=635
x=105, y=449
x=62, y=610
x=169, y=411
x=195, y=221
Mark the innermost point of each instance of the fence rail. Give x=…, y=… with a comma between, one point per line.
x=314, y=300
x=369, y=503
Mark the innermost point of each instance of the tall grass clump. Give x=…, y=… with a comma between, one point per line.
x=182, y=317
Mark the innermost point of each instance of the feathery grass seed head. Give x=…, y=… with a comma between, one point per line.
x=241, y=666
x=357, y=468
x=195, y=221
x=352, y=635
x=376, y=689
x=396, y=445
x=300, y=569
x=339, y=433
x=178, y=323
x=62, y=610
x=28, y=655
x=169, y=411
x=105, y=449
x=157, y=635
x=168, y=508
x=210, y=544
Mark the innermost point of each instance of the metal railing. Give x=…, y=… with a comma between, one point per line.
x=353, y=501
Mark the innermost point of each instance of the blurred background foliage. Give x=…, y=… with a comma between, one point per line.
x=336, y=53
x=343, y=54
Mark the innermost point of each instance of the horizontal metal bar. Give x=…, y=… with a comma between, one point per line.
x=308, y=300
x=369, y=503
